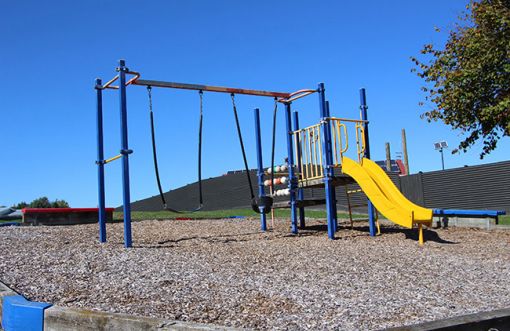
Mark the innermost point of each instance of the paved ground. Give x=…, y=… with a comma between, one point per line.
x=226, y=272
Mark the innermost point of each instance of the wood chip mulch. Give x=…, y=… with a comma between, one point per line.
x=227, y=272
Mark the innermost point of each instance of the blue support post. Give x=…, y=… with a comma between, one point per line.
x=332, y=188
x=125, y=154
x=260, y=168
x=292, y=176
x=100, y=163
x=300, y=191
x=364, y=117
x=327, y=159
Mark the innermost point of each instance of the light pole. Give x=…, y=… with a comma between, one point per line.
x=439, y=146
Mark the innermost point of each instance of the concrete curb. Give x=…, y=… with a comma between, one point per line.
x=489, y=320
x=70, y=319
x=4, y=291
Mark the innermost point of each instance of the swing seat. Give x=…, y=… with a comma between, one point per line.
x=262, y=205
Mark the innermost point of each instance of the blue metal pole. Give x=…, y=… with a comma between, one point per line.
x=125, y=154
x=292, y=176
x=300, y=191
x=327, y=162
x=100, y=162
x=364, y=116
x=332, y=188
x=260, y=168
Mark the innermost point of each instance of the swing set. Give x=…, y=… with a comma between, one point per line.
x=261, y=204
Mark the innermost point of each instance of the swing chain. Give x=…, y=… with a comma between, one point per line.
x=149, y=90
x=201, y=94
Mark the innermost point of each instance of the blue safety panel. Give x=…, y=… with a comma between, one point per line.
x=467, y=212
x=20, y=314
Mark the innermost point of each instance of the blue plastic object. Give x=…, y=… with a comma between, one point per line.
x=20, y=314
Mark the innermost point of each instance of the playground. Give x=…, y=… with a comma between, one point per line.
x=265, y=272
x=229, y=273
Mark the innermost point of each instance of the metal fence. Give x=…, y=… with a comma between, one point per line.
x=474, y=187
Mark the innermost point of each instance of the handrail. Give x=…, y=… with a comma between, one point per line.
x=309, y=143
x=360, y=130
x=337, y=137
x=346, y=120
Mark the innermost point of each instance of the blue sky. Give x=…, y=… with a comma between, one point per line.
x=53, y=50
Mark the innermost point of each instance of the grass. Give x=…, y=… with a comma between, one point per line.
x=160, y=215
x=283, y=213
x=504, y=219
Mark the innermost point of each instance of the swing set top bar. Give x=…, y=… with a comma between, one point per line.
x=283, y=97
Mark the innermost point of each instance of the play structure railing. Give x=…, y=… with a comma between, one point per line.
x=338, y=127
x=308, y=152
x=309, y=146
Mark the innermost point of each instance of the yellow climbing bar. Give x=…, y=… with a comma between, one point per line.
x=116, y=157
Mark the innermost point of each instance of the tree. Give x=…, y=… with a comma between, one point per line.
x=42, y=202
x=468, y=82
x=20, y=205
x=59, y=204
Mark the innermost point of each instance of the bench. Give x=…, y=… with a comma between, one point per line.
x=63, y=216
x=468, y=213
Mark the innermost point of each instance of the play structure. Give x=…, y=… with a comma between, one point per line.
x=313, y=154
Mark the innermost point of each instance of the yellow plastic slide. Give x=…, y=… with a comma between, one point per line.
x=384, y=195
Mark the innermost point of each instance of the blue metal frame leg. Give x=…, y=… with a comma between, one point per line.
x=364, y=116
x=125, y=154
x=260, y=168
x=300, y=191
x=327, y=163
x=292, y=176
x=100, y=163
x=332, y=188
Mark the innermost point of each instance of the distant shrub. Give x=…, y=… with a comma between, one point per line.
x=20, y=205
x=42, y=202
x=59, y=204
